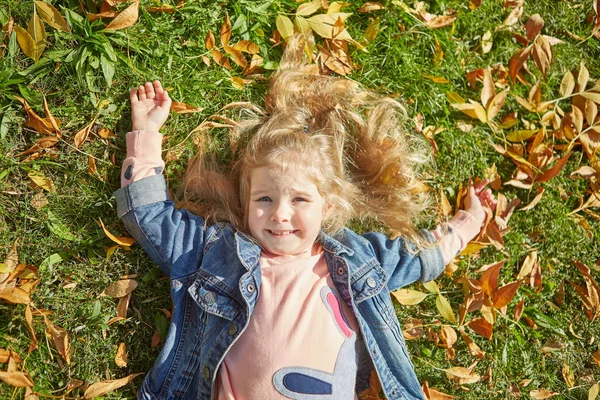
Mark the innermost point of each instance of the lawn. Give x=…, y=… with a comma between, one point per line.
x=504, y=90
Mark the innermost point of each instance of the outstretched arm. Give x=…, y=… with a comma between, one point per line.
x=150, y=105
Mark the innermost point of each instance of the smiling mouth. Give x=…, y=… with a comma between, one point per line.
x=281, y=233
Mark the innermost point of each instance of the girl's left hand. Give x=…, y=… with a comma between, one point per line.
x=150, y=105
x=479, y=198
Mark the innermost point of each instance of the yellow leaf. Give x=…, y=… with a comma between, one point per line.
x=323, y=25
x=409, y=297
x=15, y=295
x=454, y=97
x=120, y=288
x=41, y=180
x=593, y=96
x=121, y=356
x=594, y=391
x=27, y=44
x=372, y=30
x=486, y=42
x=123, y=241
x=284, y=26
x=225, y=34
x=103, y=387
x=444, y=308
x=209, y=40
x=52, y=16
x=567, y=84
x=309, y=8
x=184, y=108
x=431, y=287
x=38, y=33
x=247, y=46
x=370, y=6
x=520, y=135
x=583, y=77
x=336, y=6
x=541, y=394
x=128, y=17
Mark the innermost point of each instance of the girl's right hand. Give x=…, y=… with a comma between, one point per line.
x=150, y=106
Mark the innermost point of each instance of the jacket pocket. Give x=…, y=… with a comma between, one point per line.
x=367, y=281
x=214, y=297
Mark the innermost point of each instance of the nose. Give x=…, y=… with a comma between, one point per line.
x=281, y=213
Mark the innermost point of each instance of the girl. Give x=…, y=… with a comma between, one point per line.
x=273, y=297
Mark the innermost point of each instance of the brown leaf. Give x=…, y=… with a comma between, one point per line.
x=225, y=34
x=552, y=172
x=542, y=54
x=462, y=375
x=103, y=387
x=220, y=59
x=91, y=165
x=29, y=319
x=516, y=62
x=413, y=329
x=120, y=288
x=155, y=339
x=535, y=201
x=496, y=104
x=504, y=295
x=123, y=306
x=15, y=295
x=121, y=356
x=82, y=135
x=60, y=339
x=37, y=123
x=374, y=391
x=16, y=379
x=73, y=384
x=209, y=40
x=514, y=16
x=583, y=77
x=481, y=327
x=474, y=4
x=519, y=310
x=448, y=337
x=440, y=21
x=489, y=278
x=371, y=6
x=535, y=278
x=533, y=26
x=590, y=112
x=128, y=17
x=541, y=394
x=184, y=108
x=473, y=348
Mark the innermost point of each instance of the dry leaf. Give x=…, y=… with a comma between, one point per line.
x=409, y=297
x=101, y=388
x=486, y=42
x=535, y=201
x=15, y=295
x=123, y=306
x=219, y=58
x=448, y=337
x=225, y=34
x=41, y=180
x=29, y=319
x=594, y=391
x=39, y=200
x=236, y=55
x=514, y=16
x=209, y=40
x=284, y=26
x=121, y=240
x=16, y=379
x=462, y=375
x=184, y=108
x=371, y=6
x=308, y=8
x=541, y=394
x=128, y=17
x=82, y=135
x=444, y=308
x=120, y=288
x=533, y=26
x=246, y=46
x=482, y=327
x=121, y=356
x=60, y=339
x=504, y=295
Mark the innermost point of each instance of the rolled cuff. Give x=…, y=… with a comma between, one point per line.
x=432, y=261
x=141, y=193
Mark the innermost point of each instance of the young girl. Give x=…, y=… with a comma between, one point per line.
x=274, y=298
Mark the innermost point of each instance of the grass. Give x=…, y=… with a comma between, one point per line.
x=169, y=47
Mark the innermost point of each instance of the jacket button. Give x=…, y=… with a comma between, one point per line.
x=371, y=282
x=210, y=297
x=250, y=288
x=233, y=329
x=340, y=271
x=206, y=373
x=394, y=393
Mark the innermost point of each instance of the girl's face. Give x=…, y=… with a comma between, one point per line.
x=285, y=210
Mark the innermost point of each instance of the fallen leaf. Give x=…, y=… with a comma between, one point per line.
x=16, y=379
x=29, y=318
x=121, y=240
x=184, y=108
x=533, y=26
x=444, y=308
x=462, y=375
x=482, y=327
x=209, y=40
x=121, y=356
x=504, y=295
x=486, y=42
x=535, y=201
x=541, y=394
x=246, y=46
x=82, y=135
x=448, y=336
x=120, y=288
x=52, y=16
x=103, y=387
x=371, y=6
x=41, y=180
x=123, y=306
x=514, y=16
x=128, y=17
x=308, y=8
x=284, y=26
x=60, y=339
x=15, y=295
x=219, y=58
x=73, y=384
x=409, y=297
x=225, y=34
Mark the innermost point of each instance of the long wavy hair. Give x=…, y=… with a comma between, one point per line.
x=350, y=141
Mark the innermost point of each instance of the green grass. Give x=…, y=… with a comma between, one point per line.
x=169, y=47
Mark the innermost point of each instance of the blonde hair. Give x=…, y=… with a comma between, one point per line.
x=348, y=140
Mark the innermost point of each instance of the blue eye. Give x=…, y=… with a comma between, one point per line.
x=265, y=198
x=299, y=199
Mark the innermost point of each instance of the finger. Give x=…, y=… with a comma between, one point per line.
x=141, y=92
x=479, y=187
x=158, y=89
x=149, y=90
x=133, y=95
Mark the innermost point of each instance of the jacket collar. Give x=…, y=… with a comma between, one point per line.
x=332, y=245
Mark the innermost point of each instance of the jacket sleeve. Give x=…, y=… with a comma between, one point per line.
x=403, y=263
x=174, y=239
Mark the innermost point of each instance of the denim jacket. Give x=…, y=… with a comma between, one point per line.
x=215, y=279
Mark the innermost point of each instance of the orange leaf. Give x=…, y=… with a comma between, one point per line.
x=123, y=306
x=82, y=135
x=489, y=278
x=101, y=388
x=121, y=240
x=516, y=62
x=533, y=26
x=220, y=58
x=184, y=108
x=15, y=295
x=29, y=319
x=504, y=295
x=209, y=40
x=246, y=46
x=481, y=327
x=236, y=55
x=37, y=123
x=225, y=31
x=121, y=356
x=552, y=172
x=16, y=379
x=128, y=17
